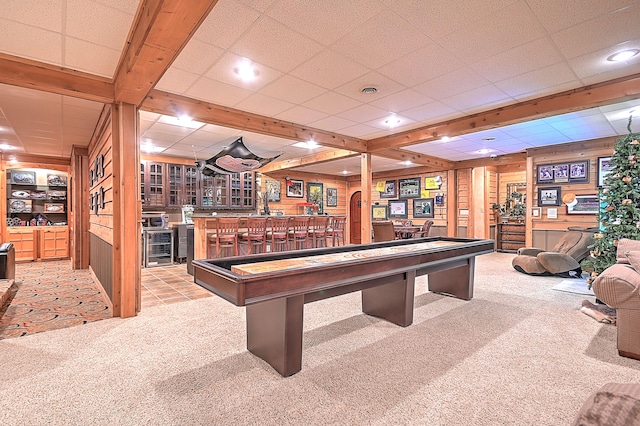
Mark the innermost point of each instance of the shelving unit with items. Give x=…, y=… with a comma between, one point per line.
x=37, y=213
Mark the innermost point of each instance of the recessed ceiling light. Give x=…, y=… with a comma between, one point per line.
x=406, y=163
x=392, y=121
x=5, y=146
x=484, y=151
x=182, y=121
x=369, y=90
x=623, y=55
x=245, y=70
x=345, y=172
x=308, y=145
x=445, y=139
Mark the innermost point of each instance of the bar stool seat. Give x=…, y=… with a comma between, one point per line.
x=256, y=235
x=225, y=237
x=318, y=231
x=335, y=232
x=299, y=232
x=279, y=233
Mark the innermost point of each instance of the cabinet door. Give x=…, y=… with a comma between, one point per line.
x=55, y=243
x=175, y=190
x=24, y=242
x=152, y=181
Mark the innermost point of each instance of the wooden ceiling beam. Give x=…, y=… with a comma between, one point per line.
x=176, y=105
x=501, y=160
x=48, y=78
x=160, y=31
x=606, y=93
x=434, y=163
x=321, y=157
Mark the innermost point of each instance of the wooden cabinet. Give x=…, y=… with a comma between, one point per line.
x=510, y=236
x=39, y=242
x=36, y=196
x=236, y=191
x=182, y=185
x=152, y=184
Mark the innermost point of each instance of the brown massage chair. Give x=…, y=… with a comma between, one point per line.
x=562, y=260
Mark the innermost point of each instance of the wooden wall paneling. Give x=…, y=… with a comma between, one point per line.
x=127, y=210
x=366, y=178
x=451, y=200
x=462, y=195
x=78, y=198
x=3, y=197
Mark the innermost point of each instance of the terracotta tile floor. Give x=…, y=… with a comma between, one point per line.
x=169, y=284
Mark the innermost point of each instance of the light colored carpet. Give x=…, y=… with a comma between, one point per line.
x=517, y=354
x=577, y=286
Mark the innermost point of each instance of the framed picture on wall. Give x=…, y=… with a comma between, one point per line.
x=549, y=196
x=315, y=192
x=585, y=204
x=379, y=212
x=604, y=167
x=272, y=188
x=398, y=209
x=295, y=189
x=575, y=172
x=390, y=190
x=332, y=197
x=409, y=188
x=423, y=207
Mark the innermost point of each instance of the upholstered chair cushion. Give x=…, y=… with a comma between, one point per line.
x=625, y=245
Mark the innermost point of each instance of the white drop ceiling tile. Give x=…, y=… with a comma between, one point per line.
x=620, y=126
x=301, y=115
x=71, y=123
x=539, y=81
x=218, y=130
x=385, y=87
x=223, y=71
x=363, y=113
x=292, y=89
x=595, y=64
x=402, y=101
x=431, y=112
x=258, y=103
x=458, y=81
x=30, y=42
x=535, y=139
x=423, y=64
x=486, y=37
x=557, y=15
x=176, y=81
x=45, y=14
x=197, y=56
x=161, y=138
x=329, y=69
x=480, y=98
x=98, y=24
x=260, y=5
x=145, y=125
x=331, y=103
x=76, y=112
x=359, y=131
x=217, y=92
x=529, y=128
x=324, y=21
x=226, y=23
x=381, y=40
x=126, y=6
x=332, y=123
x=519, y=60
x=380, y=123
x=599, y=33
x=610, y=75
x=265, y=44
x=171, y=129
x=89, y=57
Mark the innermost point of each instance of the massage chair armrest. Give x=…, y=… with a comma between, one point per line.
x=618, y=286
x=529, y=251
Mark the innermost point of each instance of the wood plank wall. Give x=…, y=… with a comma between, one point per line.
x=463, y=177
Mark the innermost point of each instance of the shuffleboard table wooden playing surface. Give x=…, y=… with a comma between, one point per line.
x=275, y=286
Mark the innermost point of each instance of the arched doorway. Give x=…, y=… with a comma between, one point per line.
x=355, y=218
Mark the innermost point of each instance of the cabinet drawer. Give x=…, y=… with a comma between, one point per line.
x=512, y=228
x=512, y=237
x=512, y=245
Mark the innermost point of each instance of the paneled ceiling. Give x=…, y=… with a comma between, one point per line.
x=429, y=62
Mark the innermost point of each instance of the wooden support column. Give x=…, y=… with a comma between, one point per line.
x=366, y=177
x=528, y=238
x=452, y=204
x=127, y=209
x=477, y=204
x=79, y=208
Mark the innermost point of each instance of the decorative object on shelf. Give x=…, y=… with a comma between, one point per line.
x=38, y=195
x=273, y=190
x=379, y=212
x=332, y=197
x=409, y=188
x=295, y=188
x=235, y=158
x=19, y=206
x=389, y=189
x=514, y=207
x=20, y=177
x=54, y=208
x=56, y=180
x=423, y=207
x=575, y=172
x=56, y=195
x=20, y=194
x=14, y=221
x=315, y=192
x=549, y=196
x=398, y=209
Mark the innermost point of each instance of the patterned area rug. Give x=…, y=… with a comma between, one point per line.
x=49, y=296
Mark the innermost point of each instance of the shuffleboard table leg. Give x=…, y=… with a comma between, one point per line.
x=274, y=333
x=393, y=301
x=457, y=282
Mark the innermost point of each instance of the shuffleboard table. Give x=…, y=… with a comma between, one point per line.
x=275, y=286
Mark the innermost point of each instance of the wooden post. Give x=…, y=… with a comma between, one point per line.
x=365, y=213
x=79, y=208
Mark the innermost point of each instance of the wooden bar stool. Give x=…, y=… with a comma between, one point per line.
x=279, y=233
x=256, y=235
x=299, y=232
x=225, y=237
x=336, y=230
x=318, y=231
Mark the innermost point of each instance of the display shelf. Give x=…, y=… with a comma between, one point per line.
x=510, y=237
x=36, y=198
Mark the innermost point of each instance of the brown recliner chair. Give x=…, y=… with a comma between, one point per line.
x=562, y=260
x=619, y=287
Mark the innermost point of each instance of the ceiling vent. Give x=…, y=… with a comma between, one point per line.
x=369, y=90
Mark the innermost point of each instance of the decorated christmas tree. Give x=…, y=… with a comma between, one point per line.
x=619, y=215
